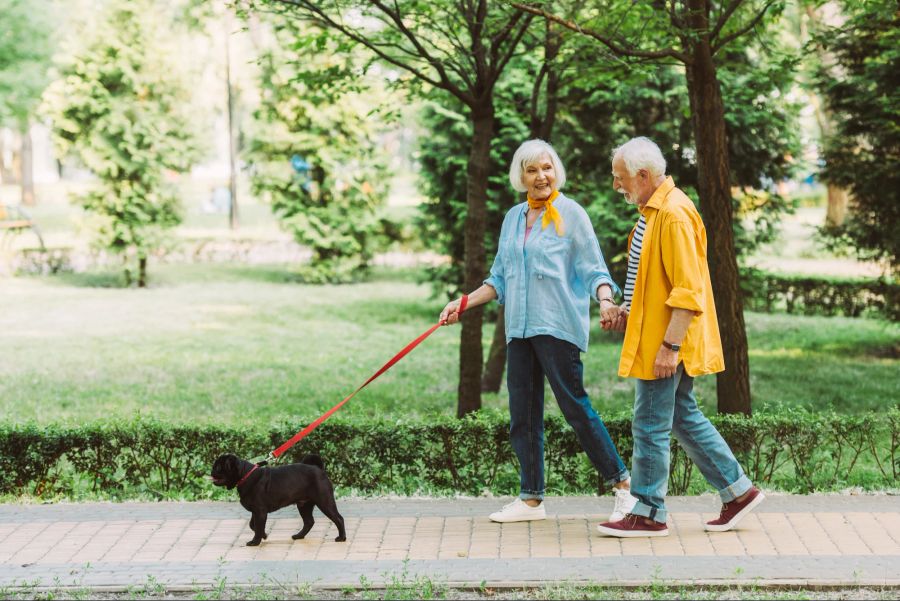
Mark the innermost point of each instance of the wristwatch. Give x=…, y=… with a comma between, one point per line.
x=672, y=347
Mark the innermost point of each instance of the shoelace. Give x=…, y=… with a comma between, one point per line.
x=630, y=517
x=621, y=501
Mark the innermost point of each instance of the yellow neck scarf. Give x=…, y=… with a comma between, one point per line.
x=551, y=213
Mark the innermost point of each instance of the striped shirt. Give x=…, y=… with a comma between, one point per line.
x=634, y=258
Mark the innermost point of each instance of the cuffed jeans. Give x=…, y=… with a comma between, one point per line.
x=528, y=361
x=666, y=406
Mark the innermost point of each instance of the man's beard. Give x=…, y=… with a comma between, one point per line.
x=627, y=196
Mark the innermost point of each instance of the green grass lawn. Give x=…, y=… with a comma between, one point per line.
x=230, y=344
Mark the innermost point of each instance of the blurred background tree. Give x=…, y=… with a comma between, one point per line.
x=119, y=105
x=26, y=48
x=314, y=150
x=862, y=152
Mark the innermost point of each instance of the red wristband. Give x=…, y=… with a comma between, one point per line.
x=463, y=303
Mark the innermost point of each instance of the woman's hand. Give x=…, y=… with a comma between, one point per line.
x=450, y=314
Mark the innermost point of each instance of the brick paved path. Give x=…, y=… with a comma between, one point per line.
x=824, y=540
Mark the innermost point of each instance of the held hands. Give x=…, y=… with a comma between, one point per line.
x=613, y=318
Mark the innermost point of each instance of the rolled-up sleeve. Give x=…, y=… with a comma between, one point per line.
x=681, y=260
x=497, y=279
x=589, y=264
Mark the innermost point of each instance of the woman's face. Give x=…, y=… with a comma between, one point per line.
x=539, y=178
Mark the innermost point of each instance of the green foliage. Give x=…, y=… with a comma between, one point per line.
x=598, y=109
x=863, y=152
x=443, y=155
x=319, y=108
x=25, y=49
x=809, y=295
x=119, y=106
x=792, y=449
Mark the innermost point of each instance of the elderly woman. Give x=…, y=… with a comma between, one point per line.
x=547, y=268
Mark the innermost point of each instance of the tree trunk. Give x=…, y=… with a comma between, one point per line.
x=496, y=361
x=838, y=198
x=708, y=117
x=142, y=272
x=838, y=201
x=6, y=174
x=471, y=353
x=27, y=166
x=232, y=144
x=541, y=127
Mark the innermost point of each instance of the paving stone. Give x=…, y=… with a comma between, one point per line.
x=809, y=539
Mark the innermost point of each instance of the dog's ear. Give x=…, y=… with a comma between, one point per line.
x=233, y=470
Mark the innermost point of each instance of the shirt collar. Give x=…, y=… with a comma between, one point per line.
x=660, y=194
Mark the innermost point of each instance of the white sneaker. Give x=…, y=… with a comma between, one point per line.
x=519, y=511
x=624, y=504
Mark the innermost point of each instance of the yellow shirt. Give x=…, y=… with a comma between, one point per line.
x=672, y=273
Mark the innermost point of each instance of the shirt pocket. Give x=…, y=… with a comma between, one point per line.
x=555, y=256
x=507, y=258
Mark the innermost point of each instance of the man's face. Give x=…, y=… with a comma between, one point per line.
x=632, y=186
x=540, y=178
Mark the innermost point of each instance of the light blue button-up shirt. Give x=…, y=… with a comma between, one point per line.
x=546, y=284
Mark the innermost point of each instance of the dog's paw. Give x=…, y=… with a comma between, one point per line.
x=298, y=536
x=265, y=535
x=340, y=539
x=253, y=543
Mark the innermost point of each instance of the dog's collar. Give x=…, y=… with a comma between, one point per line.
x=247, y=475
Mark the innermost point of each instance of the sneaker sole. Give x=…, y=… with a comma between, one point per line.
x=737, y=518
x=631, y=533
x=522, y=519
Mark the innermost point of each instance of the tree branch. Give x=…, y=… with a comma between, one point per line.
x=612, y=45
x=718, y=45
x=316, y=14
x=395, y=16
x=723, y=18
x=500, y=66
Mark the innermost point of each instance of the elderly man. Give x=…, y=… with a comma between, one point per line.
x=671, y=336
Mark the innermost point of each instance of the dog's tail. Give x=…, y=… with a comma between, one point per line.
x=313, y=459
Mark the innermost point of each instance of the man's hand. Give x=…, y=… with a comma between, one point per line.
x=666, y=363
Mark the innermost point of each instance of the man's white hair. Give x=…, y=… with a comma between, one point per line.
x=530, y=152
x=641, y=153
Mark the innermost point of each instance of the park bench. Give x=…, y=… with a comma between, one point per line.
x=14, y=220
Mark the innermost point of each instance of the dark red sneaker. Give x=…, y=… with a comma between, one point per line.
x=633, y=526
x=734, y=512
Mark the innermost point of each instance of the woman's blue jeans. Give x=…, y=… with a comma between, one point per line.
x=529, y=360
x=667, y=406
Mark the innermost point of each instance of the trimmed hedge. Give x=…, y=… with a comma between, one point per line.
x=853, y=297
x=794, y=450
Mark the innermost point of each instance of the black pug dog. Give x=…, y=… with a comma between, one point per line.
x=266, y=489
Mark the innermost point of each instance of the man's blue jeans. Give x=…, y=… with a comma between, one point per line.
x=663, y=407
x=528, y=361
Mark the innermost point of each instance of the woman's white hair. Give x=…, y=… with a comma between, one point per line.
x=641, y=153
x=530, y=152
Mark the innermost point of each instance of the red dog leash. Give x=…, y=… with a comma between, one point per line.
x=464, y=301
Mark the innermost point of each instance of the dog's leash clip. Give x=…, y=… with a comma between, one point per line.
x=262, y=460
